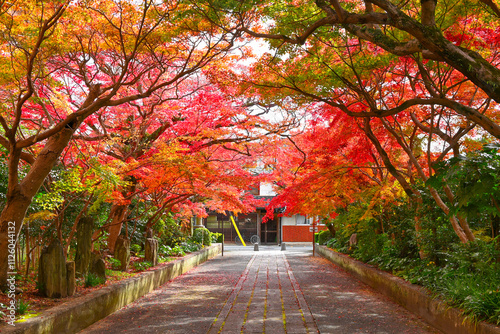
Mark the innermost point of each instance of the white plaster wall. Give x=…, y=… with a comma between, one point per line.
x=266, y=189
x=288, y=220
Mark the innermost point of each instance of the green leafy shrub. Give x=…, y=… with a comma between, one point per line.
x=135, y=249
x=115, y=263
x=163, y=259
x=164, y=250
x=477, y=294
x=216, y=237
x=93, y=280
x=190, y=246
x=177, y=251
x=141, y=266
x=202, y=236
x=475, y=181
x=323, y=237
x=169, y=231
x=369, y=246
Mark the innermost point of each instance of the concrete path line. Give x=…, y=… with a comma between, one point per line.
x=305, y=311
x=220, y=320
x=267, y=298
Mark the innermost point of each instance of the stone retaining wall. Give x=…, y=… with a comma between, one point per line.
x=80, y=313
x=414, y=298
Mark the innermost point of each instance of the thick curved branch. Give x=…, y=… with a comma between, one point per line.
x=493, y=6
x=429, y=40
x=23, y=155
x=428, y=130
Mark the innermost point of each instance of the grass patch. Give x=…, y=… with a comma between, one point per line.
x=141, y=266
x=22, y=306
x=92, y=280
x=117, y=275
x=164, y=259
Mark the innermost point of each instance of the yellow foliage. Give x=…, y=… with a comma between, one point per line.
x=42, y=215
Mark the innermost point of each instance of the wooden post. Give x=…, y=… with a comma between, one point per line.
x=314, y=231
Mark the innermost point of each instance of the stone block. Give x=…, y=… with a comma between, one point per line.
x=52, y=272
x=84, y=232
x=122, y=252
x=70, y=276
x=98, y=266
x=151, y=251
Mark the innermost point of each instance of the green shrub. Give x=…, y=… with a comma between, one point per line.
x=141, y=266
x=93, y=280
x=216, y=237
x=323, y=237
x=369, y=246
x=164, y=250
x=477, y=294
x=135, y=248
x=177, y=251
x=202, y=236
x=169, y=230
x=21, y=306
x=115, y=263
x=468, y=277
x=338, y=244
x=163, y=259
x=190, y=246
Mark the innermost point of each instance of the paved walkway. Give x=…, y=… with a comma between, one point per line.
x=269, y=291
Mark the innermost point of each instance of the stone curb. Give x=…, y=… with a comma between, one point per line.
x=82, y=312
x=412, y=297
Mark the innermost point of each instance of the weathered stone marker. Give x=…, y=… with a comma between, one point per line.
x=151, y=251
x=52, y=273
x=122, y=252
x=353, y=240
x=70, y=275
x=97, y=266
x=84, y=231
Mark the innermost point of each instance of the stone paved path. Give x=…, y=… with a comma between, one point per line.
x=263, y=292
x=267, y=298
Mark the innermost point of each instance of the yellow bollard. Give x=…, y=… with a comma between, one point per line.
x=238, y=231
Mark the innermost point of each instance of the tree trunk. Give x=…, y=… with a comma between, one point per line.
x=331, y=227
x=418, y=229
x=14, y=213
x=20, y=195
x=118, y=214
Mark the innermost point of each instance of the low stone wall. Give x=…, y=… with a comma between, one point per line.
x=80, y=313
x=414, y=298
